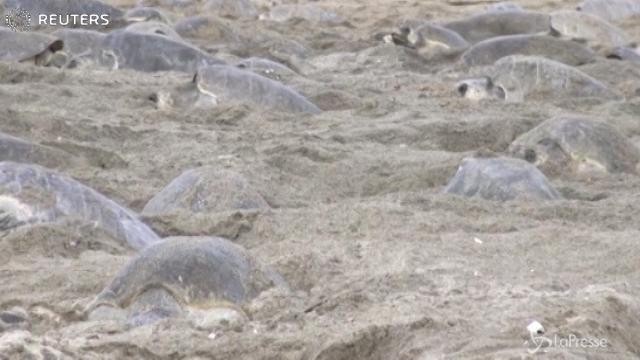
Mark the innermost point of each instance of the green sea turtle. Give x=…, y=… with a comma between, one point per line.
x=155, y=28
x=500, y=179
x=151, y=52
x=146, y=13
x=489, y=51
x=182, y=275
x=517, y=78
x=594, y=31
x=575, y=144
x=28, y=47
x=216, y=84
x=205, y=189
x=53, y=195
x=491, y=24
x=611, y=10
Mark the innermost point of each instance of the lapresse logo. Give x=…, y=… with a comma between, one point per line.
x=22, y=20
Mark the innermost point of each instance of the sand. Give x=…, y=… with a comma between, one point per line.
x=381, y=263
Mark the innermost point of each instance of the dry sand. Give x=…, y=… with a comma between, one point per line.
x=382, y=265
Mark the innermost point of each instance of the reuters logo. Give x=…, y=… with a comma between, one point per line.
x=18, y=20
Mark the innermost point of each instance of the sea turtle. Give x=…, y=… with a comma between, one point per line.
x=84, y=47
x=146, y=13
x=517, y=78
x=224, y=83
x=428, y=39
x=265, y=67
x=63, y=8
x=79, y=41
x=205, y=189
x=19, y=150
x=28, y=47
x=597, y=33
x=155, y=28
x=500, y=179
x=625, y=53
x=53, y=195
x=480, y=88
x=151, y=53
x=491, y=24
x=181, y=275
x=213, y=29
x=489, y=51
x=575, y=144
x=611, y=10
x=504, y=6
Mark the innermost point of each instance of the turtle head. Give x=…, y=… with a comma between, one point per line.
x=191, y=94
x=13, y=213
x=44, y=58
x=546, y=154
x=479, y=88
x=400, y=38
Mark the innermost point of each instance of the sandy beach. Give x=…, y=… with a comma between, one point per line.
x=381, y=264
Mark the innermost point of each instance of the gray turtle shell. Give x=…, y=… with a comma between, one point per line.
x=265, y=67
x=26, y=46
x=611, y=10
x=489, y=51
x=205, y=189
x=570, y=143
x=504, y=6
x=525, y=77
x=53, y=195
x=155, y=28
x=436, y=34
x=487, y=25
x=151, y=53
x=625, y=53
x=240, y=85
x=592, y=29
x=80, y=41
x=18, y=150
x=500, y=179
x=196, y=271
x=206, y=27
